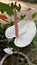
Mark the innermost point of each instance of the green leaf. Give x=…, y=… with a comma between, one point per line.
x=18, y=8
x=22, y=16
x=35, y=39
x=34, y=44
x=34, y=49
x=9, y=9
x=11, y=44
x=5, y=7
x=33, y=15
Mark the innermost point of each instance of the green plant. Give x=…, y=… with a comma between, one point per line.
x=34, y=15
x=3, y=39
x=34, y=43
x=18, y=8
x=9, y=9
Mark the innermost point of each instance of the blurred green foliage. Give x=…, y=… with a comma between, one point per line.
x=34, y=15
x=34, y=43
x=9, y=9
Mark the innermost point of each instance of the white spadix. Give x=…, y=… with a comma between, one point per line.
x=27, y=31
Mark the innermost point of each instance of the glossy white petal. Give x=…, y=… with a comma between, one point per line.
x=22, y=27
x=8, y=51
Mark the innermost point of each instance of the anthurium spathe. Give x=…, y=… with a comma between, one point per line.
x=27, y=30
x=24, y=31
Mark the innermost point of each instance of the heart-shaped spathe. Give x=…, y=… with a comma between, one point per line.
x=27, y=31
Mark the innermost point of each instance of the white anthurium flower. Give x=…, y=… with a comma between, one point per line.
x=27, y=31
x=8, y=50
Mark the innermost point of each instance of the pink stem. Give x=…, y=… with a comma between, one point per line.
x=15, y=22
